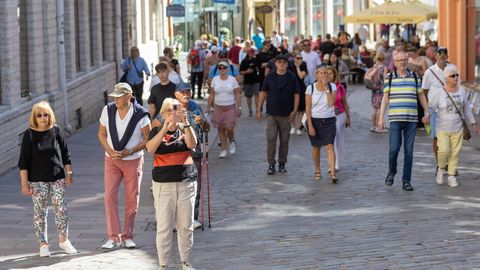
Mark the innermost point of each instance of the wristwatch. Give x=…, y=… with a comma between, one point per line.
x=70, y=172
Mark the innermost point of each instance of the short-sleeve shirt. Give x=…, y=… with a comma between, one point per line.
x=281, y=90
x=403, y=95
x=320, y=106
x=447, y=117
x=313, y=60
x=432, y=83
x=253, y=77
x=159, y=93
x=293, y=69
x=122, y=124
x=224, y=90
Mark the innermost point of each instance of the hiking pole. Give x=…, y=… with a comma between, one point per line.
x=207, y=177
x=202, y=163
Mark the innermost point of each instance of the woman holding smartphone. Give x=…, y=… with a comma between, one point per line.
x=174, y=181
x=224, y=101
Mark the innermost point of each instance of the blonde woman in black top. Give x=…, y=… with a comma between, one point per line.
x=45, y=169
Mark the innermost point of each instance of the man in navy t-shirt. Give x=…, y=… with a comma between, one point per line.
x=281, y=90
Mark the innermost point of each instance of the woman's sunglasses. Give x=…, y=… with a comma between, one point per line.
x=45, y=115
x=454, y=76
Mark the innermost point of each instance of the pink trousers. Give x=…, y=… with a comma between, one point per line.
x=130, y=171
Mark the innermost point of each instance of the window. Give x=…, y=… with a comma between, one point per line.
x=24, y=49
x=291, y=19
x=318, y=18
x=338, y=13
x=77, y=35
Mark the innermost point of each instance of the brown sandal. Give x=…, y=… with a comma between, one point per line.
x=334, y=178
x=317, y=176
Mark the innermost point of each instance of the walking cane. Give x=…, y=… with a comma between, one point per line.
x=202, y=163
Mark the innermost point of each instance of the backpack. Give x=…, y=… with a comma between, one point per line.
x=194, y=58
x=374, y=77
x=390, y=77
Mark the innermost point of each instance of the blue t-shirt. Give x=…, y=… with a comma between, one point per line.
x=140, y=66
x=258, y=39
x=281, y=90
x=214, y=71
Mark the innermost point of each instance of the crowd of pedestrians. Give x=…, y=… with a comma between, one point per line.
x=303, y=84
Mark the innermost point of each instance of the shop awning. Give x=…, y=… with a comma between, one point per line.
x=392, y=13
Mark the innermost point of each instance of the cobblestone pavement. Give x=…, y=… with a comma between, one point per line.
x=285, y=221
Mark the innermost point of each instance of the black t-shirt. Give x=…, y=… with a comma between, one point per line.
x=44, y=154
x=253, y=77
x=281, y=89
x=293, y=69
x=263, y=57
x=159, y=93
x=327, y=47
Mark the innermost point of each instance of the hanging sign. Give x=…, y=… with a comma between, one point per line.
x=265, y=9
x=175, y=11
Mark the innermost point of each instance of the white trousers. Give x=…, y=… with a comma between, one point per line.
x=174, y=204
x=340, y=140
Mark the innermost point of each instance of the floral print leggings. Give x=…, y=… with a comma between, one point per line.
x=42, y=192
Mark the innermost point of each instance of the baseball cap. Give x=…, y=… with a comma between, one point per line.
x=440, y=50
x=121, y=89
x=182, y=86
x=281, y=57
x=222, y=53
x=223, y=63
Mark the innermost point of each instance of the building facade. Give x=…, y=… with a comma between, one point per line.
x=32, y=70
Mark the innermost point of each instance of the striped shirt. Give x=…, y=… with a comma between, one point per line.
x=172, y=160
x=402, y=97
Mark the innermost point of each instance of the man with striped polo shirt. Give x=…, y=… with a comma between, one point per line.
x=401, y=91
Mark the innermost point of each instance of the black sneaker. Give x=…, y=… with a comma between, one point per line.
x=271, y=169
x=281, y=168
x=407, y=186
x=389, y=180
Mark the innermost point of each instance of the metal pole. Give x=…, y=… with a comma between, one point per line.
x=62, y=74
x=118, y=36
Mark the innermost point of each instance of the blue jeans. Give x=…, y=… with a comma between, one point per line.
x=409, y=130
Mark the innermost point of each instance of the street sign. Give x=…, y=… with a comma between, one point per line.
x=175, y=11
x=224, y=1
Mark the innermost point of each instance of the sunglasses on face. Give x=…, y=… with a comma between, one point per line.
x=454, y=76
x=45, y=115
x=299, y=58
x=222, y=68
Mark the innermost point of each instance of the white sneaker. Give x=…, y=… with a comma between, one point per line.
x=67, y=246
x=440, y=173
x=292, y=131
x=197, y=224
x=299, y=132
x=232, y=148
x=44, y=251
x=110, y=244
x=129, y=243
x=187, y=266
x=223, y=154
x=452, y=181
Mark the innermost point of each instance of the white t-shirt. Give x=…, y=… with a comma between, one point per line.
x=431, y=82
x=137, y=135
x=448, y=118
x=174, y=77
x=224, y=90
x=313, y=60
x=320, y=106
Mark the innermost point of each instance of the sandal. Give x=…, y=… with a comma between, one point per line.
x=317, y=176
x=334, y=178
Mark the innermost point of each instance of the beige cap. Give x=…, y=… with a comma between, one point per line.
x=121, y=89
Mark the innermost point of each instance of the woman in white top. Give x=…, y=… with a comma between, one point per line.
x=320, y=111
x=224, y=101
x=448, y=125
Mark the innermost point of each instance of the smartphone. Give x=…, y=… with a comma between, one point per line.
x=176, y=117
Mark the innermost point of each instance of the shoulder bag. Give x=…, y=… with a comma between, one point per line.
x=466, y=132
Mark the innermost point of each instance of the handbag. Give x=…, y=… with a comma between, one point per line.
x=123, y=79
x=466, y=132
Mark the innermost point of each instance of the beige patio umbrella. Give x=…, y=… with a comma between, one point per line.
x=390, y=13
